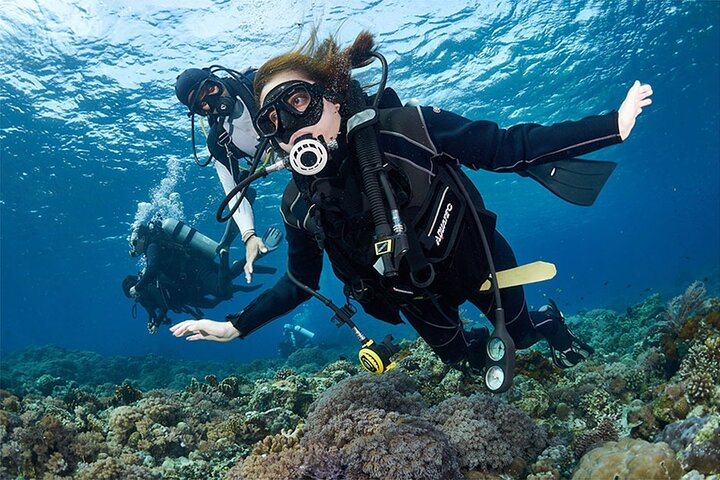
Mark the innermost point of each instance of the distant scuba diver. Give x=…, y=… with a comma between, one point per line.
x=295, y=337
x=229, y=106
x=381, y=191
x=181, y=273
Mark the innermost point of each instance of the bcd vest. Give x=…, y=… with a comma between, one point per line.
x=443, y=237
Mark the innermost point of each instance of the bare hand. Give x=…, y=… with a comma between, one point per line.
x=253, y=247
x=637, y=97
x=205, y=329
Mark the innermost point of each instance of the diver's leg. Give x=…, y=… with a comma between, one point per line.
x=224, y=279
x=566, y=349
x=238, y=268
x=517, y=317
x=525, y=327
x=438, y=323
x=231, y=231
x=207, y=302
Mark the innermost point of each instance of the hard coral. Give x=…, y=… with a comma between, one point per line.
x=535, y=365
x=113, y=469
x=45, y=445
x=700, y=386
x=286, y=439
x=605, y=431
x=697, y=441
x=629, y=459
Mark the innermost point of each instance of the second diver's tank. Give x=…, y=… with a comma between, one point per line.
x=186, y=235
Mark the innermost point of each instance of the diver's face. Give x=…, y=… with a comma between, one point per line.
x=137, y=244
x=293, y=106
x=207, y=100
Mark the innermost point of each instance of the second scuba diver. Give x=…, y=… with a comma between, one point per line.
x=181, y=273
x=228, y=104
x=381, y=192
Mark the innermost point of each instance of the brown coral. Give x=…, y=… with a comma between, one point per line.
x=629, y=459
x=535, y=365
x=286, y=439
x=700, y=387
x=605, y=431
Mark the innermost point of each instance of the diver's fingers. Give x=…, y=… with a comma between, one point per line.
x=248, y=271
x=182, y=328
x=201, y=336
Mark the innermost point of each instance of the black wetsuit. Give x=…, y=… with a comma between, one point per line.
x=419, y=144
x=185, y=278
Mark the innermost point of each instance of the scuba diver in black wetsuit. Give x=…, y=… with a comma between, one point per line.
x=181, y=273
x=228, y=104
x=382, y=192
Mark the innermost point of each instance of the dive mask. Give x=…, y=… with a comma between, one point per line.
x=137, y=244
x=289, y=107
x=219, y=104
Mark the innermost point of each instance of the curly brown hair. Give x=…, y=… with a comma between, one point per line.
x=322, y=62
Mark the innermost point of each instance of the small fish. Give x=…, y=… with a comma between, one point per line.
x=606, y=282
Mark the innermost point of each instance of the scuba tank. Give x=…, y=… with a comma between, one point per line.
x=185, y=235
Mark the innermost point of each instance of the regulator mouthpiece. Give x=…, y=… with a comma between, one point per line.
x=309, y=156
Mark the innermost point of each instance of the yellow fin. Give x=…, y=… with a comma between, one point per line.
x=523, y=274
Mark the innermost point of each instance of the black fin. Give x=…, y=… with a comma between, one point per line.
x=574, y=180
x=242, y=288
x=263, y=269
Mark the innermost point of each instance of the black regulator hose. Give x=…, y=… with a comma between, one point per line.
x=505, y=362
x=368, y=153
x=194, y=146
x=242, y=186
x=383, y=78
x=342, y=314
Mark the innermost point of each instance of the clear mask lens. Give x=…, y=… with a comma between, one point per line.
x=289, y=107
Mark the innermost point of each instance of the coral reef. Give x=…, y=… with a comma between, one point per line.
x=364, y=427
x=655, y=377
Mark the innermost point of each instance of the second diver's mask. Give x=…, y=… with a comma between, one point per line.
x=138, y=239
x=219, y=104
x=289, y=107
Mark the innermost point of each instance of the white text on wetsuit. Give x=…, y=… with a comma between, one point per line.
x=440, y=234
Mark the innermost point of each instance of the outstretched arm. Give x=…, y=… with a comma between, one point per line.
x=483, y=144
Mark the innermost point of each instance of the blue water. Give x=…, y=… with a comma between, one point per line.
x=93, y=139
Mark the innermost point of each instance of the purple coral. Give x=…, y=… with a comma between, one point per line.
x=701, y=454
x=489, y=433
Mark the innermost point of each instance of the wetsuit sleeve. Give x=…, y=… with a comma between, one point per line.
x=483, y=144
x=243, y=216
x=305, y=263
x=152, y=266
